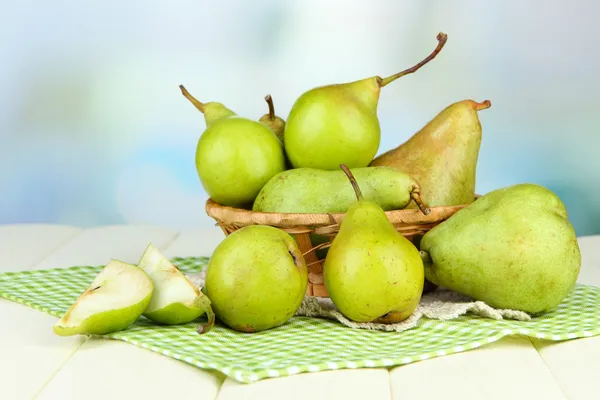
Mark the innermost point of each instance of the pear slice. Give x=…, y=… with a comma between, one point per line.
x=176, y=300
x=114, y=300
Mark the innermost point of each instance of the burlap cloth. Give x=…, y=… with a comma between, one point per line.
x=440, y=304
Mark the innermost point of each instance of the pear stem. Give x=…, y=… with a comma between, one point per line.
x=425, y=257
x=482, y=106
x=207, y=326
x=415, y=194
x=441, y=37
x=269, y=101
x=198, y=104
x=359, y=195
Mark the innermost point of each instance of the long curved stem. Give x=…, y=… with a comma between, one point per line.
x=359, y=195
x=198, y=104
x=441, y=37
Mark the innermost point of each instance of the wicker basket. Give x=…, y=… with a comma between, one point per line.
x=412, y=223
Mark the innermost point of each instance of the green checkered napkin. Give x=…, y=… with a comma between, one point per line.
x=303, y=344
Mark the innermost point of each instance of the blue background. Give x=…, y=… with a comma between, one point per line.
x=94, y=130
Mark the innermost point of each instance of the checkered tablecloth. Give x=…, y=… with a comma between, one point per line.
x=303, y=344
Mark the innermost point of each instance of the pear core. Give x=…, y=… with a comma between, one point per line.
x=175, y=299
x=114, y=300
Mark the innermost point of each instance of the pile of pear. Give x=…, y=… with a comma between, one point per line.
x=513, y=248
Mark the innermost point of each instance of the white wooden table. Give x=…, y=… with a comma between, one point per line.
x=35, y=363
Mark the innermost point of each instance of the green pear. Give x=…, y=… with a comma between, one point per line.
x=176, y=300
x=235, y=157
x=372, y=272
x=513, y=248
x=272, y=121
x=309, y=190
x=256, y=278
x=338, y=123
x=114, y=300
x=443, y=155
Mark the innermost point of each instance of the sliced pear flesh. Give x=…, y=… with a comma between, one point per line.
x=176, y=300
x=115, y=299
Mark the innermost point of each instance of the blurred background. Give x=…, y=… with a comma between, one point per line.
x=94, y=129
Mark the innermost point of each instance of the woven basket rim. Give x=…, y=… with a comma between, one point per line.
x=241, y=217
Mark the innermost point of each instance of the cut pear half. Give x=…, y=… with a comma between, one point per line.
x=176, y=300
x=115, y=299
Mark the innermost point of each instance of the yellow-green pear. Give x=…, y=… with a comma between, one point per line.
x=372, y=272
x=114, y=300
x=513, y=248
x=338, y=123
x=176, y=300
x=235, y=156
x=256, y=278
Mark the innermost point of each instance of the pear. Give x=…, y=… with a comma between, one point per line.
x=372, y=272
x=176, y=300
x=443, y=155
x=235, y=156
x=513, y=248
x=309, y=190
x=338, y=123
x=114, y=300
x=272, y=121
x=256, y=278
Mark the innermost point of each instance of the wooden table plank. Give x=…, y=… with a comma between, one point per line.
x=508, y=369
x=588, y=245
x=30, y=352
x=575, y=365
x=98, y=245
x=23, y=246
x=590, y=257
x=349, y=384
x=195, y=243
x=103, y=369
